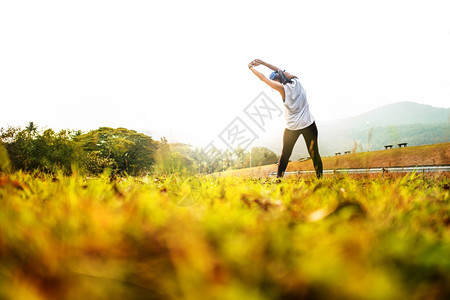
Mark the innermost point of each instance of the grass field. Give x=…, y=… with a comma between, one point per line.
x=224, y=238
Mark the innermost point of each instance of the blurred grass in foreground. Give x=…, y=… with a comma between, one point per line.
x=223, y=238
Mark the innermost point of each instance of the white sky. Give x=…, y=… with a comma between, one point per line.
x=181, y=66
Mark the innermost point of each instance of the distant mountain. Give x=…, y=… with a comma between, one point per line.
x=402, y=122
x=399, y=113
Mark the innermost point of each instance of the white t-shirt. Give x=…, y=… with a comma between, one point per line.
x=296, y=108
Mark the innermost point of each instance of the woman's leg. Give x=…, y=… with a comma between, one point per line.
x=310, y=135
x=289, y=139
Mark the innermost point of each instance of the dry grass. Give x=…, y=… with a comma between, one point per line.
x=223, y=238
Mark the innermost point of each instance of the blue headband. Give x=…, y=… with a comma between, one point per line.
x=274, y=74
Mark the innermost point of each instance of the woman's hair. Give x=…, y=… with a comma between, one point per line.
x=279, y=75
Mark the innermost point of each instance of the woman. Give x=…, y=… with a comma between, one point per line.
x=298, y=117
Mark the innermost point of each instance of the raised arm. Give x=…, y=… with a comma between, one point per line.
x=272, y=67
x=258, y=62
x=272, y=83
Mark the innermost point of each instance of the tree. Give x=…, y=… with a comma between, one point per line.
x=121, y=149
x=261, y=156
x=240, y=156
x=175, y=158
x=31, y=128
x=5, y=164
x=30, y=149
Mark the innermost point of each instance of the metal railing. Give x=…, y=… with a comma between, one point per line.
x=419, y=169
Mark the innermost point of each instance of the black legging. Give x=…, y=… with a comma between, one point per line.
x=290, y=137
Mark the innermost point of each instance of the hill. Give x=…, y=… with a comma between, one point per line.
x=400, y=113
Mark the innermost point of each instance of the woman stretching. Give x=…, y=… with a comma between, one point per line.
x=298, y=117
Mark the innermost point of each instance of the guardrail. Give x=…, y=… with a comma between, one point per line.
x=420, y=169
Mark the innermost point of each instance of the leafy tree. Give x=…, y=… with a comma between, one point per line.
x=122, y=149
x=261, y=156
x=5, y=164
x=240, y=158
x=175, y=158
x=57, y=150
x=30, y=149
x=96, y=163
